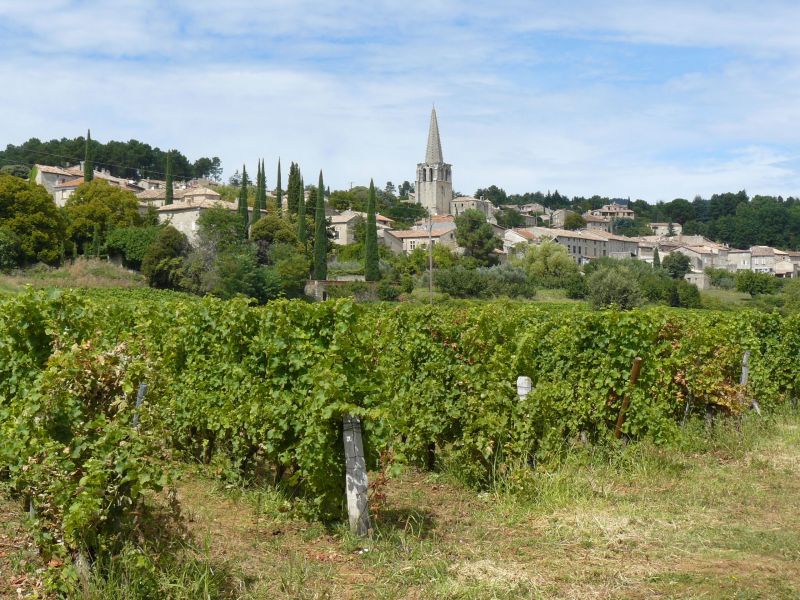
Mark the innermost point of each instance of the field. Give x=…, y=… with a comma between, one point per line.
x=227, y=480
x=81, y=273
x=717, y=519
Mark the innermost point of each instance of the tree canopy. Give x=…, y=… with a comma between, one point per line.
x=98, y=204
x=32, y=220
x=477, y=237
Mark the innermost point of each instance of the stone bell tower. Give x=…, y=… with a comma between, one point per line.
x=434, y=176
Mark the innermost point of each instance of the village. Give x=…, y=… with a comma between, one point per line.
x=596, y=237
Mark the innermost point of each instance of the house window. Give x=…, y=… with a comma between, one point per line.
x=412, y=244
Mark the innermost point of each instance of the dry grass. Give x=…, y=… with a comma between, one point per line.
x=80, y=273
x=721, y=522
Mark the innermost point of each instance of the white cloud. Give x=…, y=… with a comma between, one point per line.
x=347, y=87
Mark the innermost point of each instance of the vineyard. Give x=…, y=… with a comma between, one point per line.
x=261, y=392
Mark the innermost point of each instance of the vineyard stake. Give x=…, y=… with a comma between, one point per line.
x=139, y=399
x=745, y=376
x=355, y=476
x=637, y=367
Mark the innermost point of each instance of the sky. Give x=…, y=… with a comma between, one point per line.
x=622, y=98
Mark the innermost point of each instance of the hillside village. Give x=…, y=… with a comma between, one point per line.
x=434, y=192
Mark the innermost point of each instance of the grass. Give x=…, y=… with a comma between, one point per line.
x=720, y=299
x=712, y=516
x=80, y=273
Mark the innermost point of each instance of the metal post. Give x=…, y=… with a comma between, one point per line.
x=637, y=368
x=743, y=380
x=430, y=256
x=139, y=399
x=355, y=476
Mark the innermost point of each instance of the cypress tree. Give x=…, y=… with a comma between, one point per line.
x=242, y=208
x=278, y=190
x=302, y=232
x=656, y=259
x=88, y=164
x=371, y=267
x=320, y=235
x=169, y=193
x=292, y=199
x=260, y=193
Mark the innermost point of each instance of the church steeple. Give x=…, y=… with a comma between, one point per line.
x=433, y=154
x=434, y=177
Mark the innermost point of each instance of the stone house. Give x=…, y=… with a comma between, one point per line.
x=462, y=203
x=740, y=260
x=662, y=229
x=183, y=214
x=408, y=240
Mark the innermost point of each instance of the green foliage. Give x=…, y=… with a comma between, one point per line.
x=9, y=251
x=242, y=203
x=162, y=262
x=131, y=159
x=574, y=221
x=721, y=278
x=238, y=273
x=477, y=237
x=131, y=243
x=88, y=163
x=509, y=218
x=219, y=229
x=264, y=390
x=273, y=229
x=169, y=193
x=20, y=171
x=99, y=203
x=548, y=264
x=462, y=282
x=656, y=259
x=754, y=283
x=688, y=294
x=261, y=194
x=372, y=270
x=320, y=267
x=676, y=264
x=278, y=190
x=613, y=288
x=28, y=213
x=294, y=190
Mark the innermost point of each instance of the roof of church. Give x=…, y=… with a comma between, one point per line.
x=433, y=154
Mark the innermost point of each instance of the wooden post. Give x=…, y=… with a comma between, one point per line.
x=743, y=380
x=356, y=476
x=637, y=368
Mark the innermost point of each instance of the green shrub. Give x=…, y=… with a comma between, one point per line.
x=755, y=283
x=131, y=243
x=688, y=294
x=613, y=287
x=162, y=262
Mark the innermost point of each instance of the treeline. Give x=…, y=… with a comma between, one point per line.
x=731, y=218
x=132, y=159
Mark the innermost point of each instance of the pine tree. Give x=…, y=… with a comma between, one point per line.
x=371, y=267
x=260, y=193
x=656, y=259
x=278, y=190
x=88, y=164
x=169, y=193
x=320, y=235
x=242, y=208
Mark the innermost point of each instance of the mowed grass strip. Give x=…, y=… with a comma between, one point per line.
x=713, y=516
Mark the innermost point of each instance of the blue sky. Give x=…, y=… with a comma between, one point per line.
x=651, y=100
